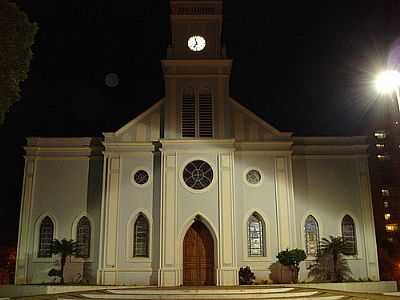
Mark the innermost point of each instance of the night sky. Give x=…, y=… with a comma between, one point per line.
x=303, y=66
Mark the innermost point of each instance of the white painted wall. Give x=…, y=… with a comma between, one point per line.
x=65, y=198
x=255, y=198
x=329, y=188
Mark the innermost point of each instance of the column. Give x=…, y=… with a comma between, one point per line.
x=21, y=271
x=368, y=221
x=284, y=203
x=227, y=273
x=168, y=271
x=108, y=271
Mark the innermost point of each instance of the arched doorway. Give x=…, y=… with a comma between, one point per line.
x=198, y=256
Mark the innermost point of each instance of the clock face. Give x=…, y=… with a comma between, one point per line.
x=196, y=43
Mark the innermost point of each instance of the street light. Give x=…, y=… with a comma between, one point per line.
x=388, y=82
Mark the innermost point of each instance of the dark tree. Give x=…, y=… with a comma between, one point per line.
x=64, y=248
x=17, y=35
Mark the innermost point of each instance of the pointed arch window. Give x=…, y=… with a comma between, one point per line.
x=46, y=233
x=311, y=230
x=141, y=237
x=349, y=235
x=83, y=235
x=255, y=236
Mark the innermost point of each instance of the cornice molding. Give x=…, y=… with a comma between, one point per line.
x=63, y=147
x=121, y=147
x=200, y=145
x=355, y=145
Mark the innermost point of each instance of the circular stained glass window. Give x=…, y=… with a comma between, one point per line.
x=198, y=174
x=253, y=177
x=141, y=177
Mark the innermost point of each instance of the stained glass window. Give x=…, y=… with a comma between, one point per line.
x=311, y=231
x=255, y=235
x=349, y=235
x=253, y=177
x=45, y=237
x=198, y=174
x=141, y=177
x=83, y=237
x=141, y=237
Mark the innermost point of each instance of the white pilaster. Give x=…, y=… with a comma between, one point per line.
x=25, y=224
x=227, y=269
x=368, y=220
x=168, y=271
x=108, y=259
x=284, y=203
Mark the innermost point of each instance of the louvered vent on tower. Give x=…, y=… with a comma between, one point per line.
x=188, y=114
x=205, y=114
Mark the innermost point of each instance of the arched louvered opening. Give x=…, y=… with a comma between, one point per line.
x=205, y=113
x=46, y=233
x=349, y=235
x=188, y=113
x=83, y=235
x=311, y=230
x=255, y=235
x=141, y=237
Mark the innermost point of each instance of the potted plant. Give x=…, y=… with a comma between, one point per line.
x=292, y=259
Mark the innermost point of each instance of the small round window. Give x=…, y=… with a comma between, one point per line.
x=198, y=174
x=141, y=177
x=253, y=177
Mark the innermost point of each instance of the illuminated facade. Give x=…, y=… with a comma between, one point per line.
x=195, y=187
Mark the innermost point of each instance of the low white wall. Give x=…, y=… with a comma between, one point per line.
x=358, y=287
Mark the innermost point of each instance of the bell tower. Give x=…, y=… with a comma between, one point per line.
x=201, y=20
x=196, y=73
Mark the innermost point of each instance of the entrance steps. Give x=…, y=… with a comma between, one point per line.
x=206, y=293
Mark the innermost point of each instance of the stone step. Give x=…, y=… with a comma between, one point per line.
x=202, y=291
x=282, y=295
x=275, y=296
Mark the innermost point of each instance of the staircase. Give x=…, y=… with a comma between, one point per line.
x=206, y=293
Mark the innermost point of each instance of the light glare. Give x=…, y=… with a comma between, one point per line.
x=387, y=82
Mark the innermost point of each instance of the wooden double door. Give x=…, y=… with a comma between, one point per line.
x=198, y=256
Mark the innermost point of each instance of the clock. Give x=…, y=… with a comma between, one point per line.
x=196, y=43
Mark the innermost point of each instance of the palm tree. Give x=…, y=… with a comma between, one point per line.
x=330, y=265
x=334, y=247
x=64, y=248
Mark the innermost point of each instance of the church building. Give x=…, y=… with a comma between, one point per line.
x=195, y=187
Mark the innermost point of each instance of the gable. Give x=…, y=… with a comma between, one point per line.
x=144, y=128
x=247, y=126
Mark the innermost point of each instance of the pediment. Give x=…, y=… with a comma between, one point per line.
x=144, y=128
x=249, y=127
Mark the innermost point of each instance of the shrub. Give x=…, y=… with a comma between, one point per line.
x=246, y=276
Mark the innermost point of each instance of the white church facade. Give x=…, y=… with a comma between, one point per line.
x=195, y=187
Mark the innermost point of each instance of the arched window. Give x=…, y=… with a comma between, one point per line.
x=141, y=237
x=311, y=231
x=83, y=234
x=46, y=232
x=255, y=236
x=349, y=235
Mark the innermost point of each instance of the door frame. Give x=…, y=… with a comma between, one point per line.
x=207, y=223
